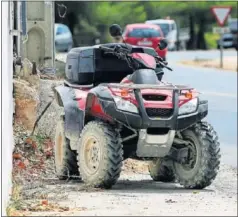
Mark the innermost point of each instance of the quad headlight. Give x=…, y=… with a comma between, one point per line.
x=125, y=105
x=188, y=107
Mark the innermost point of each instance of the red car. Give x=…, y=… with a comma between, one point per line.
x=147, y=35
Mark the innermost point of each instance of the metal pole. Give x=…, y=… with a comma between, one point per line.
x=6, y=9
x=19, y=47
x=221, y=52
x=23, y=18
x=53, y=32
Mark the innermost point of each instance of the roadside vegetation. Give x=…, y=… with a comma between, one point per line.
x=90, y=20
x=211, y=40
x=229, y=63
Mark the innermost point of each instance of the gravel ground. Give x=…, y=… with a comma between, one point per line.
x=47, y=123
x=136, y=194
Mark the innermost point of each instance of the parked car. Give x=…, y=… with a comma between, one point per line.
x=226, y=41
x=147, y=35
x=177, y=37
x=63, y=38
x=235, y=41
x=233, y=25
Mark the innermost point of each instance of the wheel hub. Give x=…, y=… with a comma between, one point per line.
x=191, y=158
x=92, y=155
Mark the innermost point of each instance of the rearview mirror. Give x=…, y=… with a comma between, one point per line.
x=163, y=44
x=115, y=30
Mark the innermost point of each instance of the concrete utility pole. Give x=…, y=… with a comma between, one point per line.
x=38, y=44
x=7, y=98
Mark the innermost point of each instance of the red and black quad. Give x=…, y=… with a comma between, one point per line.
x=116, y=107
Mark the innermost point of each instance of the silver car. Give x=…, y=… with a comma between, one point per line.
x=226, y=41
x=63, y=38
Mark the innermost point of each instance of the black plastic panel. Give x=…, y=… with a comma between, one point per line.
x=89, y=65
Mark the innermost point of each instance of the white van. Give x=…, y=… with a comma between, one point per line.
x=169, y=29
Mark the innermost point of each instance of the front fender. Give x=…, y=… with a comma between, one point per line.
x=73, y=116
x=103, y=97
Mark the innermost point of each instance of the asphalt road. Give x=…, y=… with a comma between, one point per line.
x=219, y=87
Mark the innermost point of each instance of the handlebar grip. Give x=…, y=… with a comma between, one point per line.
x=107, y=49
x=124, y=50
x=159, y=58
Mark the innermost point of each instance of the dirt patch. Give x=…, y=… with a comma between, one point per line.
x=25, y=112
x=31, y=98
x=229, y=63
x=47, y=123
x=26, y=101
x=33, y=154
x=135, y=166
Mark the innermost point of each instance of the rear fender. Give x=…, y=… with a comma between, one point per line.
x=96, y=104
x=73, y=116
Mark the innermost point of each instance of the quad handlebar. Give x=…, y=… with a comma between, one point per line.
x=123, y=54
x=117, y=49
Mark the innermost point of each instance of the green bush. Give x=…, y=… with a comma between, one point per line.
x=211, y=40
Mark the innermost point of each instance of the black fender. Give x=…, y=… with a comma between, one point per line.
x=104, y=97
x=73, y=116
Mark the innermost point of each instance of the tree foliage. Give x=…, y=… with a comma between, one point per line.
x=95, y=17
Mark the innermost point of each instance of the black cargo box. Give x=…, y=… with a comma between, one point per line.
x=89, y=65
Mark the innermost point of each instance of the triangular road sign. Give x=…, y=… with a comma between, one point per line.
x=221, y=13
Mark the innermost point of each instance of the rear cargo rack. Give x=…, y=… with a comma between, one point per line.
x=148, y=86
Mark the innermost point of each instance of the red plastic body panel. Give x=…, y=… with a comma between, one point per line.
x=96, y=109
x=146, y=59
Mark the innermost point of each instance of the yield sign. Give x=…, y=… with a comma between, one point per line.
x=221, y=13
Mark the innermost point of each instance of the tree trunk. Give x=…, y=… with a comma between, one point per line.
x=103, y=29
x=191, y=42
x=201, y=42
x=72, y=20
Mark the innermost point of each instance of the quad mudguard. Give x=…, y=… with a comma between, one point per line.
x=103, y=96
x=74, y=117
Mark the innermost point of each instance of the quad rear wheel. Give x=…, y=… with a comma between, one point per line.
x=65, y=158
x=204, y=157
x=100, y=155
x=161, y=171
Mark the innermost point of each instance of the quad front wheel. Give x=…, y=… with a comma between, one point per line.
x=203, y=161
x=65, y=158
x=100, y=155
